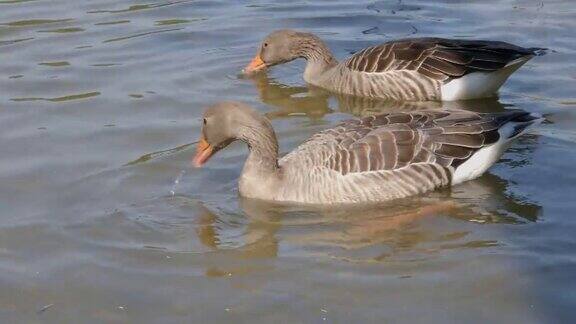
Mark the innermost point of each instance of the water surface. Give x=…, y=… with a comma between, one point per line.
x=100, y=101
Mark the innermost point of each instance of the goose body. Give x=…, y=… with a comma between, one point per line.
x=372, y=159
x=418, y=69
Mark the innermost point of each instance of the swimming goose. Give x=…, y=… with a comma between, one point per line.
x=372, y=159
x=418, y=69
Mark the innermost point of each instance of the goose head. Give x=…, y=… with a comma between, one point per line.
x=278, y=47
x=226, y=122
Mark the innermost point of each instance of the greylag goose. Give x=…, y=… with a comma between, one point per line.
x=373, y=159
x=418, y=69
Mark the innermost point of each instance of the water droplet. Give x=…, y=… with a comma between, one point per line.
x=176, y=182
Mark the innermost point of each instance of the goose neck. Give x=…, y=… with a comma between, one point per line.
x=263, y=149
x=318, y=56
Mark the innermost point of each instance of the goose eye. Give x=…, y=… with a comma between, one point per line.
x=204, y=121
x=265, y=44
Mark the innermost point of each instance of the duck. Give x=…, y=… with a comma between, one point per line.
x=416, y=69
x=367, y=160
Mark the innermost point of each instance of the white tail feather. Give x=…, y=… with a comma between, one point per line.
x=485, y=157
x=480, y=84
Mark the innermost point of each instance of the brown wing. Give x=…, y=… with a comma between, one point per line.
x=437, y=58
x=392, y=141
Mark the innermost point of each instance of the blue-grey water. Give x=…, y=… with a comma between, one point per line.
x=102, y=219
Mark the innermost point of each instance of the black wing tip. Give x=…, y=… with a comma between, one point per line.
x=538, y=51
x=527, y=117
x=521, y=116
x=523, y=121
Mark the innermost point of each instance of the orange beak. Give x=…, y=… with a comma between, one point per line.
x=203, y=153
x=256, y=65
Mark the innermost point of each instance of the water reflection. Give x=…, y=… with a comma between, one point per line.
x=416, y=226
x=137, y=7
x=316, y=102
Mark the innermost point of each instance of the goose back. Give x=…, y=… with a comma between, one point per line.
x=437, y=58
x=417, y=69
x=393, y=155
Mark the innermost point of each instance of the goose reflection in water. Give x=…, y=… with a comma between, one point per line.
x=316, y=102
x=387, y=231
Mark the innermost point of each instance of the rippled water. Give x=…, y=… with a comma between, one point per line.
x=100, y=101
